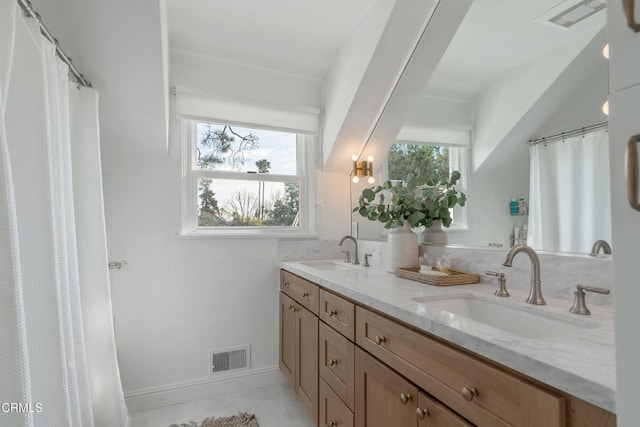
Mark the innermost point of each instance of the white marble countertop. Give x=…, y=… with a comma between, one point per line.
x=581, y=364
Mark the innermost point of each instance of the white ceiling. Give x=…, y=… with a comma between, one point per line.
x=293, y=36
x=303, y=36
x=496, y=37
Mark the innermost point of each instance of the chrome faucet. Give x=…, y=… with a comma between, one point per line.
x=535, y=295
x=601, y=244
x=356, y=260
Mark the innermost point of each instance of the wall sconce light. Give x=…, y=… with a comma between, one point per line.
x=605, y=51
x=362, y=168
x=605, y=107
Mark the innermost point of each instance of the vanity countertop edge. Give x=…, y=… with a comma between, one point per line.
x=582, y=364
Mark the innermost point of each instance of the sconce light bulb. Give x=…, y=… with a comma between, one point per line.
x=605, y=51
x=370, y=159
x=371, y=180
x=605, y=107
x=354, y=157
x=355, y=179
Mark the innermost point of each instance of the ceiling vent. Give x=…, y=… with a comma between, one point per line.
x=568, y=13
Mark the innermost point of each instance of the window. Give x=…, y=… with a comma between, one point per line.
x=439, y=160
x=242, y=179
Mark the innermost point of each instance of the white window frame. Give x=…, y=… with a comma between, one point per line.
x=305, y=177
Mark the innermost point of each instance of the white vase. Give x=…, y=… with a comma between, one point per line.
x=403, y=245
x=435, y=240
x=435, y=235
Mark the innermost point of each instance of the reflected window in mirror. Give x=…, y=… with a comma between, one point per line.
x=437, y=160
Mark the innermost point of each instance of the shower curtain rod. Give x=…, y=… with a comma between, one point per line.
x=28, y=11
x=563, y=135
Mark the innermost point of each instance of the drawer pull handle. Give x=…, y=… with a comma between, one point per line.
x=629, y=13
x=286, y=284
x=292, y=308
x=333, y=362
x=380, y=340
x=422, y=413
x=332, y=423
x=469, y=393
x=333, y=313
x=632, y=171
x=405, y=398
x=306, y=294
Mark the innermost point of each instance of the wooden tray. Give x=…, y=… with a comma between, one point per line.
x=456, y=277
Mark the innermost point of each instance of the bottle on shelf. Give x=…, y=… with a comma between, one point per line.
x=514, y=206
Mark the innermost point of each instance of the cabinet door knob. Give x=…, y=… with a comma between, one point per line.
x=333, y=313
x=380, y=340
x=405, y=398
x=333, y=362
x=469, y=393
x=286, y=284
x=422, y=413
x=306, y=294
x=332, y=423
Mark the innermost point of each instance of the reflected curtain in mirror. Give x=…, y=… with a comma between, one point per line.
x=570, y=193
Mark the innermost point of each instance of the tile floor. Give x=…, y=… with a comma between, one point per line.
x=274, y=406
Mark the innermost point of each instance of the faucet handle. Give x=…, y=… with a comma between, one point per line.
x=366, y=260
x=494, y=273
x=579, y=304
x=347, y=256
x=502, y=283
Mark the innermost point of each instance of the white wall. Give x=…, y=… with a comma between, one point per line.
x=345, y=76
x=177, y=297
x=506, y=103
x=556, y=100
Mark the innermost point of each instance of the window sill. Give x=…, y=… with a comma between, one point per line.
x=246, y=234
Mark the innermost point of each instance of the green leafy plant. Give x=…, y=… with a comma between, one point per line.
x=416, y=200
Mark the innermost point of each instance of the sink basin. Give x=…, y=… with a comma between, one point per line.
x=327, y=265
x=516, y=320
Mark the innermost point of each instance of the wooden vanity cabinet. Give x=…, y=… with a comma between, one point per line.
x=299, y=343
x=351, y=365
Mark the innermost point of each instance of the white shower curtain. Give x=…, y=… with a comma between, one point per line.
x=57, y=351
x=570, y=199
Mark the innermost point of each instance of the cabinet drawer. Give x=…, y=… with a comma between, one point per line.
x=301, y=290
x=338, y=313
x=337, y=363
x=431, y=413
x=333, y=411
x=478, y=391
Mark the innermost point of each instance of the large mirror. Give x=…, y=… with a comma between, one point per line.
x=517, y=71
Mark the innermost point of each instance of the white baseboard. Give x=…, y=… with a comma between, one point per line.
x=171, y=394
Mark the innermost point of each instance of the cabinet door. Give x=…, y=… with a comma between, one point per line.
x=624, y=61
x=626, y=235
x=433, y=414
x=287, y=348
x=333, y=411
x=307, y=360
x=383, y=398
